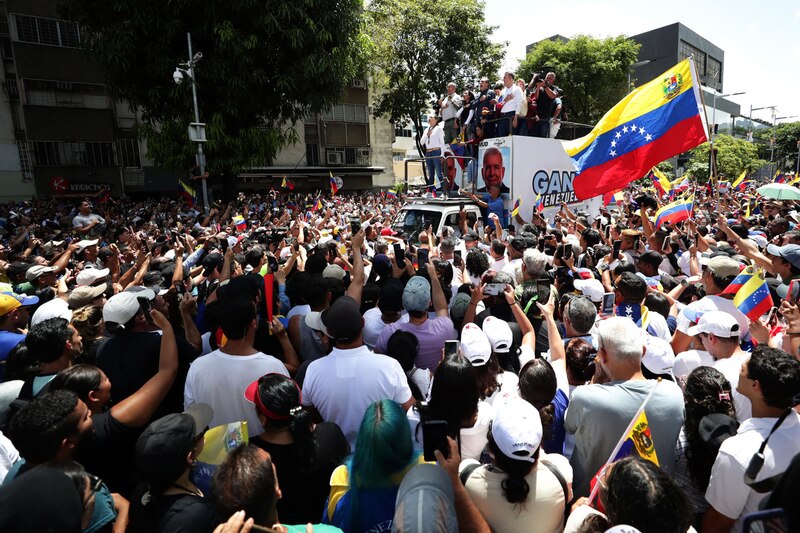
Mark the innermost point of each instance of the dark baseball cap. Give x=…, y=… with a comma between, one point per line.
x=471, y=235
x=211, y=262
x=651, y=258
x=163, y=446
x=391, y=297
x=343, y=319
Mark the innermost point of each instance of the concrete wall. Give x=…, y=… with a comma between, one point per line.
x=381, y=133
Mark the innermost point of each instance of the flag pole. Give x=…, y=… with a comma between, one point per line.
x=624, y=437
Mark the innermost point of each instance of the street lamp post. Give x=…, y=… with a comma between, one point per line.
x=197, y=129
x=713, y=160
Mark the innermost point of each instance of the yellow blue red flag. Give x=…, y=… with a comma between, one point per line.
x=639, y=440
x=753, y=298
x=739, y=180
x=656, y=121
x=517, y=204
x=674, y=212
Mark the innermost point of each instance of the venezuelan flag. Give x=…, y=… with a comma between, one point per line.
x=613, y=198
x=391, y=194
x=240, y=223
x=538, y=205
x=739, y=180
x=187, y=192
x=334, y=187
x=780, y=178
x=517, y=203
x=656, y=121
x=284, y=181
x=660, y=181
x=639, y=440
x=739, y=281
x=318, y=205
x=753, y=298
x=674, y=212
x=743, y=185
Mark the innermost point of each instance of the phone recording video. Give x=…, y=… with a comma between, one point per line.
x=434, y=437
x=399, y=254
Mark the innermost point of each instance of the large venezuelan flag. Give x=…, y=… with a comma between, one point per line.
x=656, y=121
x=753, y=299
x=674, y=212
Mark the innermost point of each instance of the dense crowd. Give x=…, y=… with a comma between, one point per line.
x=293, y=359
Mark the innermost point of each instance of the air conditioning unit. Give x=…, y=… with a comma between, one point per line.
x=360, y=83
x=334, y=157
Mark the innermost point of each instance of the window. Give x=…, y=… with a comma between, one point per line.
x=51, y=32
x=714, y=71
x=73, y=154
x=129, y=153
x=65, y=94
x=347, y=113
x=399, y=131
x=687, y=50
x=399, y=157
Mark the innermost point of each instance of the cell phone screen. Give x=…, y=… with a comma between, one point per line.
x=567, y=251
x=543, y=290
x=399, y=254
x=617, y=248
x=422, y=256
x=608, y=304
x=145, y=306
x=450, y=348
x=434, y=437
x=493, y=289
x=540, y=246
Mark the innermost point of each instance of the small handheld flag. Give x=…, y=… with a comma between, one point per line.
x=391, y=194
x=674, y=212
x=515, y=209
x=240, y=223
x=753, y=299
x=538, y=206
x=334, y=186
x=739, y=180
x=739, y=281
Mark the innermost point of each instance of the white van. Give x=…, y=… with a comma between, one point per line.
x=419, y=213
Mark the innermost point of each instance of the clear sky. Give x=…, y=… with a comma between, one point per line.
x=761, y=40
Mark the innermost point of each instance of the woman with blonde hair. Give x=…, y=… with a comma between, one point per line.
x=88, y=321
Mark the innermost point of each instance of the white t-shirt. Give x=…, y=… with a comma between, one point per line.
x=219, y=380
x=714, y=303
x=473, y=440
x=344, y=383
x=514, y=269
x=543, y=512
x=515, y=102
x=727, y=492
x=730, y=368
x=687, y=361
x=374, y=324
x=8, y=456
x=298, y=310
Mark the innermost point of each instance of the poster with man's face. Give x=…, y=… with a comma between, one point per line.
x=494, y=164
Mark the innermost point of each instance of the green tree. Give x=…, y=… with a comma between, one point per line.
x=419, y=47
x=787, y=137
x=733, y=156
x=265, y=66
x=592, y=72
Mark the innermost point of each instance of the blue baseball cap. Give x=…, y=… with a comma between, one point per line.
x=790, y=253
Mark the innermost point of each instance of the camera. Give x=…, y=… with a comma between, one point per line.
x=435, y=106
x=538, y=77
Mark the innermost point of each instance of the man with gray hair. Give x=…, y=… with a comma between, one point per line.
x=599, y=413
x=449, y=106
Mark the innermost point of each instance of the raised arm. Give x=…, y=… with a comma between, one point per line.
x=356, y=287
x=437, y=295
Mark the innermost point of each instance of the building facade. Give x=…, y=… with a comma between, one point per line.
x=61, y=134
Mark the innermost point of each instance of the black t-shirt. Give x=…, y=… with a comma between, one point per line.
x=184, y=513
x=305, y=492
x=131, y=359
x=109, y=452
x=544, y=104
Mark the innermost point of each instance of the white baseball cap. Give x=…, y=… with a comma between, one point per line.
x=591, y=288
x=314, y=321
x=122, y=307
x=90, y=276
x=717, y=323
x=82, y=245
x=658, y=358
x=499, y=334
x=55, y=308
x=475, y=344
x=517, y=429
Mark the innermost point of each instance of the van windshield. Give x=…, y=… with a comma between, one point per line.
x=413, y=221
